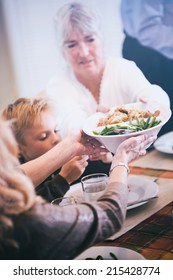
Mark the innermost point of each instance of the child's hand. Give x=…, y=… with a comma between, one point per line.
x=73, y=169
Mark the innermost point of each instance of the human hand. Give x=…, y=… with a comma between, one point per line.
x=73, y=169
x=93, y=147
x=104, y=157
x=82, y=144
x=133, y=147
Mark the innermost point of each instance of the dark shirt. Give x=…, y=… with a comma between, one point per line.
x=53, y=187
x=56, y=186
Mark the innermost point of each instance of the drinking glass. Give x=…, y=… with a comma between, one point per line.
x=93, y=186
x=64, y=201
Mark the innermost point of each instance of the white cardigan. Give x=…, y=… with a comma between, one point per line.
x=122, y=83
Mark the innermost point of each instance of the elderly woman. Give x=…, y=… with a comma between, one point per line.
x=31, y=228
x=91, y=81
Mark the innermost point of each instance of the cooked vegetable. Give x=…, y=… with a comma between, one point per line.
x=139, y=125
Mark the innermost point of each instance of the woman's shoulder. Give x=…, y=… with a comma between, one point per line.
x=119, y=61
x=120, y=66
x=58, y=79
x=63, y=83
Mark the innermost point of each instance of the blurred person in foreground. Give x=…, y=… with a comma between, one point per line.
x=90, y=81
x=148, y=28
x=31, y=228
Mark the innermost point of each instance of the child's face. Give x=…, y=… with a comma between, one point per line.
x=43, y=136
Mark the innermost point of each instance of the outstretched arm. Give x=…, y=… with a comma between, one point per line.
x=75, y=144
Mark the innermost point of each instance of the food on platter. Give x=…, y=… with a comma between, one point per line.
x=125, y=128
x=136, y=119
x=127, y=121
x=123, y=114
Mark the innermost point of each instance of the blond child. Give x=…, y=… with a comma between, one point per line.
x=36, y=130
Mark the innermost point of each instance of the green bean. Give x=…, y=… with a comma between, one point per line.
x=152, y=122
x=147, y=122
x=122, y=126
x=138, y=126
x=142, y=123
x=106, y=131
x=137, y=120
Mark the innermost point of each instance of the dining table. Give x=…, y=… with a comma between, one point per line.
x=148, y=228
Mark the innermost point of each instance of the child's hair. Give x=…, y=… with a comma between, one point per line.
x=24, y=111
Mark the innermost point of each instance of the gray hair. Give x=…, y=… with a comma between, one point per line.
x=75, y=16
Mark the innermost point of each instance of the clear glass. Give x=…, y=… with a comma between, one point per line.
x=93, y=186
x=64, y=201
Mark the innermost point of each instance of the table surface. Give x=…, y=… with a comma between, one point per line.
x=152, y=237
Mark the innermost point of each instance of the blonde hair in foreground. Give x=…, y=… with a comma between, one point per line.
x=17, y=193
